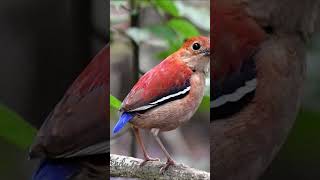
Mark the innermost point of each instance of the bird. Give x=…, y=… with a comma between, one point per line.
x=236, y=41
x=258, y=73
x=72, y=143
x=167, y=95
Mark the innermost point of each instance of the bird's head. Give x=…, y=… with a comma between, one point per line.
x=195, y=52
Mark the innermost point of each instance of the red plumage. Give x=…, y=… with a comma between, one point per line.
x=236, y=38
x=93, y=76
x=171, y=75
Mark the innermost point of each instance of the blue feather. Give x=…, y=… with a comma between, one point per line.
x=53, y=170
x=124, y=119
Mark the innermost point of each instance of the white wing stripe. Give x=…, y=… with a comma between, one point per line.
x=236, y=95
x=99, y=148
x=152, y=104
x=171, y=96
x=142, y=108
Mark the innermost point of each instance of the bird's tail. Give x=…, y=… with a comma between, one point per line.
x=124, y=119
x=54, y=170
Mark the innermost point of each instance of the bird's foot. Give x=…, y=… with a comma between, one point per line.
x=169, y=163
x=146, y=159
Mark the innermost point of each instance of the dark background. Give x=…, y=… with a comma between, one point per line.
x=44, y=45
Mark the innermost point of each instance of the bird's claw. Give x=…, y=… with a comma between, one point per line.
x=165, y=167
x=146, y=159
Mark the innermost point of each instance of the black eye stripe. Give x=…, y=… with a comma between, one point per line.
x=196, y=46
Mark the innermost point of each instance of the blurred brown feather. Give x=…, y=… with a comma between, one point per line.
x=78, y=124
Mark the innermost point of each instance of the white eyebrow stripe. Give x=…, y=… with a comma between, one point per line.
x=236, y=95
x=152, y=104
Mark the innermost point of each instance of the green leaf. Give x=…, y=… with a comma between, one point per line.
x=15, y=129
x=173, y=40
x=167, y=6
x=183, y=27
x=205, y=104
x=163, y=32
x=114, y=102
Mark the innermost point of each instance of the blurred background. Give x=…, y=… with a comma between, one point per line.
x=143, y=33
x=299, y=157
x=44, y=45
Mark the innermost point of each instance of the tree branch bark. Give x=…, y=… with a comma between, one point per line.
x=124, y=166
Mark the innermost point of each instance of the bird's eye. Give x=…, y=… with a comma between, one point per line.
x=196, y=46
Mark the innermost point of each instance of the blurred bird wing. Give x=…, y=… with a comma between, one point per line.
x=237, y=40
x=78, y=124
x=100, y=148
x=165, y=82
x=236, y=85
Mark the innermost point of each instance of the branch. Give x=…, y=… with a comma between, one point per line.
x=124, y=166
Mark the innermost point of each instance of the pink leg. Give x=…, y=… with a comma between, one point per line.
x=146, y=156
x=170, y=161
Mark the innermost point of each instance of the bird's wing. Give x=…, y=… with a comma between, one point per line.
x=230, y=95
x=78, y=124
x=236, y=40
x=167, y=81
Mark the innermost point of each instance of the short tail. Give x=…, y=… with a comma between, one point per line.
x=124, y=119
x=51, y=170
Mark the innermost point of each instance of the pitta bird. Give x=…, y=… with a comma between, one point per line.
x=167, y=95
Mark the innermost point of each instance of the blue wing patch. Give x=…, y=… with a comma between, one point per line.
x=51, y=170
x=124, y=119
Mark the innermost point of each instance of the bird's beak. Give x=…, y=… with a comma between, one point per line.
x=205, y=52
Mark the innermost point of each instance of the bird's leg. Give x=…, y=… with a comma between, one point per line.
x=145, y=154
x=170, y=161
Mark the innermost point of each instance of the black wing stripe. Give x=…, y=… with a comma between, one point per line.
x=230, y=95
x=165, y=99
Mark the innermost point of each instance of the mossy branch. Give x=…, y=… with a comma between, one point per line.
x=124, y=166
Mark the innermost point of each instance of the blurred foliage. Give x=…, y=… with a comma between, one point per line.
x=138, y=34
x=15, y=129
x=183, y=27
x=180, y=22
x=114, y=102
x=173, y=31
x=205, y=104
x=299, y=156
x=200, y=17
x=305, y=131
x=167, y=6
